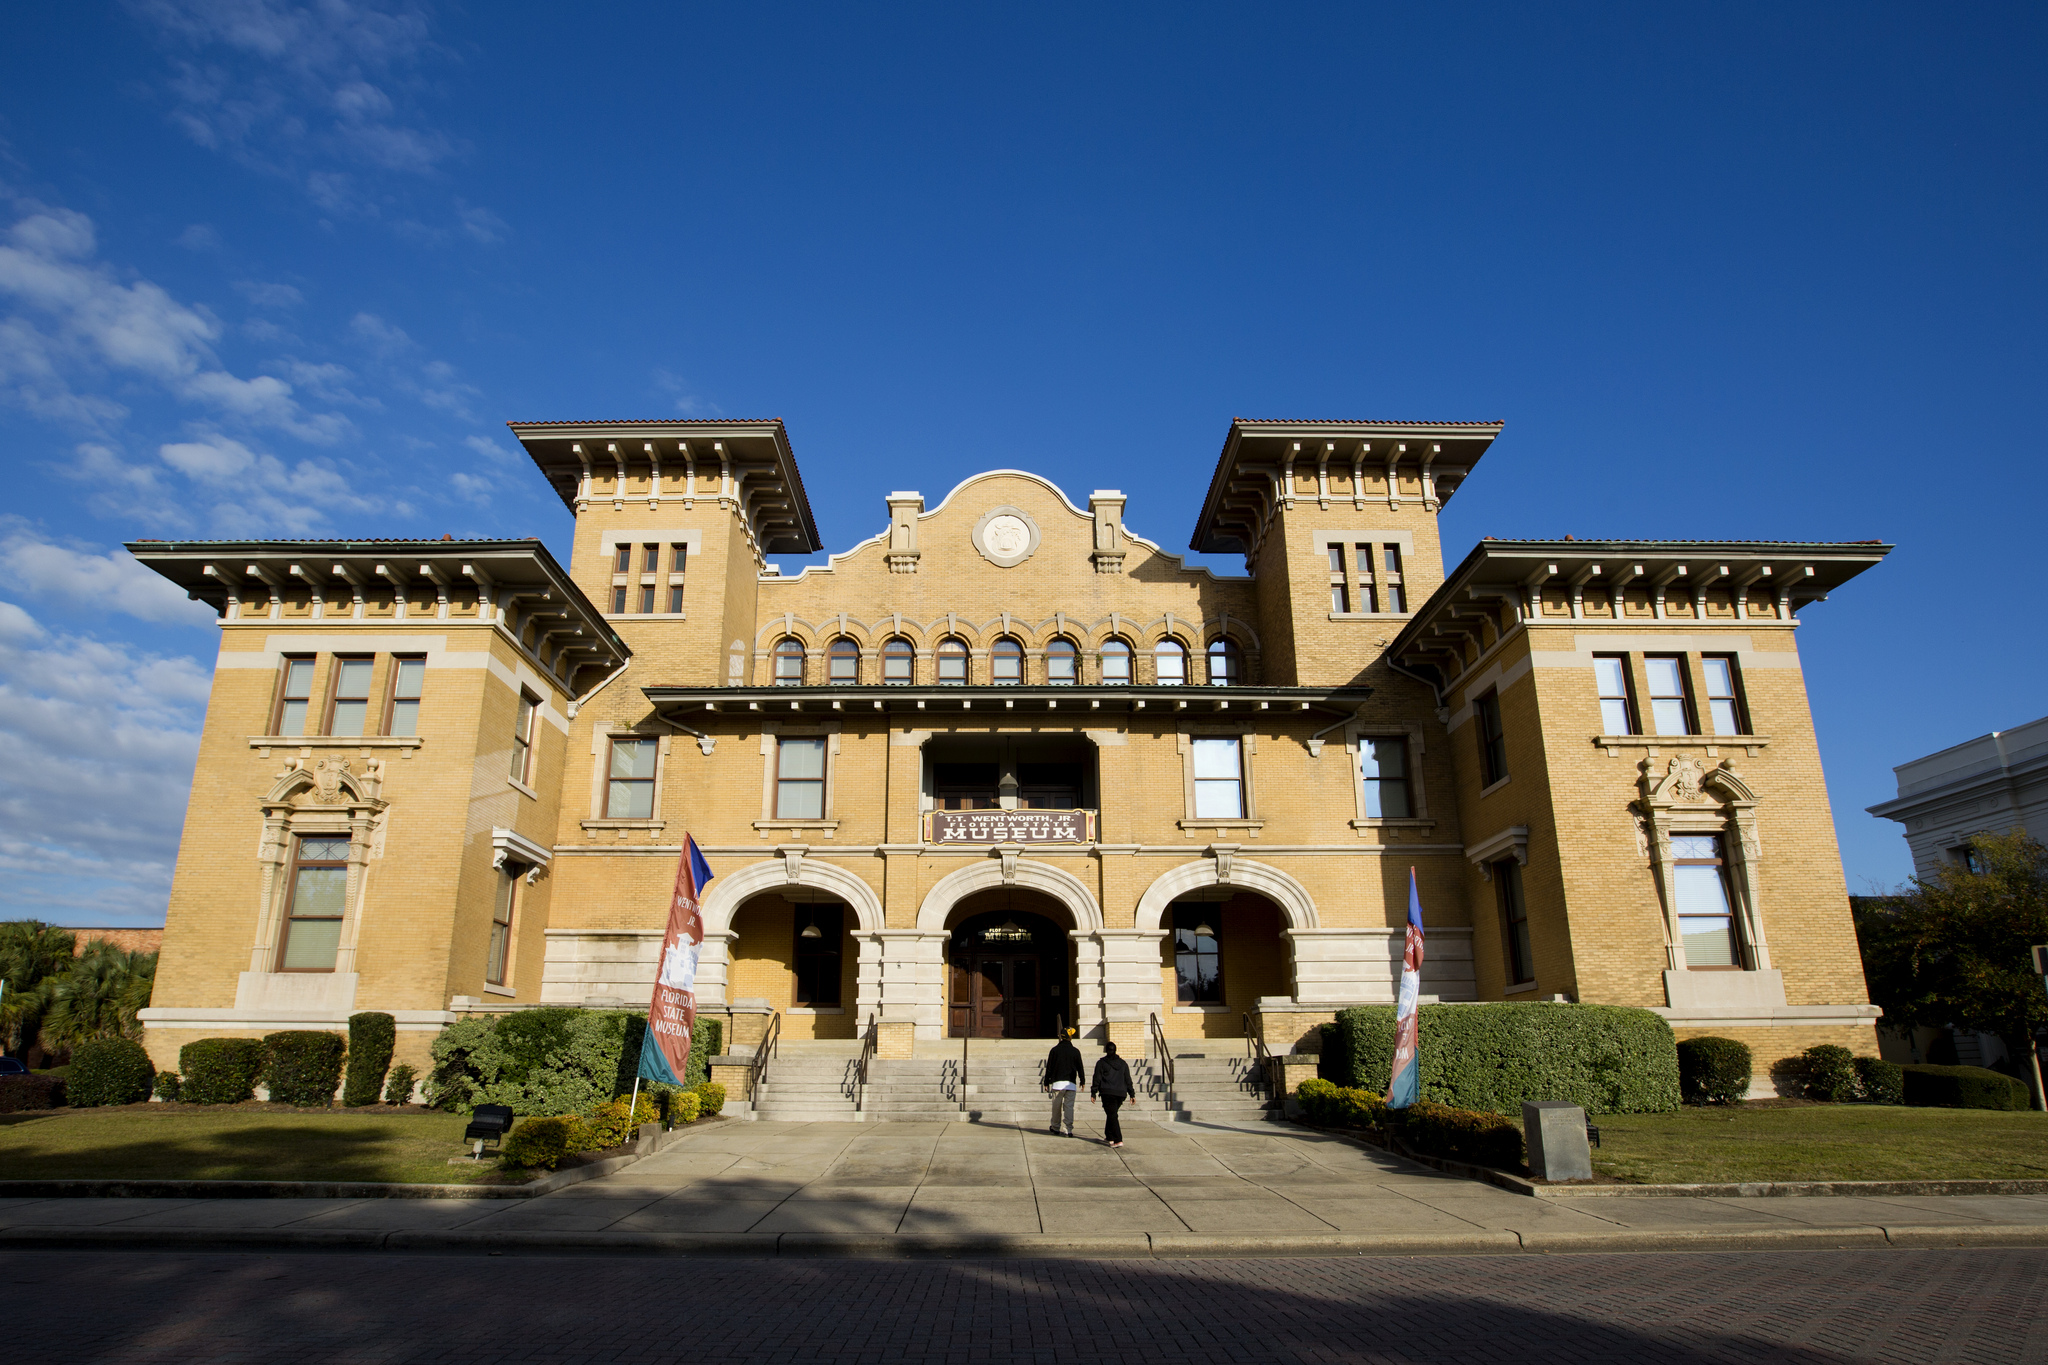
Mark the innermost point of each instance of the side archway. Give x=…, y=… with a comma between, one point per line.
x=954, y=887
x=731, y=890
x=1276, y=886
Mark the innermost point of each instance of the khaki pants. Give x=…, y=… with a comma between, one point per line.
x=1063, y=1099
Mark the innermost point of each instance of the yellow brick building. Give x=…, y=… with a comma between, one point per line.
x=1006, y=764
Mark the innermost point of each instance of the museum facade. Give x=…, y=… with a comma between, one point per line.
x=1007, y=765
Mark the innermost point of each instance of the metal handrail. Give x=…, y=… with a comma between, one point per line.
x=1165, y=1055
x=759, y=1071
x=963, y=1070
x=871, y=1042
x=1255, y=1051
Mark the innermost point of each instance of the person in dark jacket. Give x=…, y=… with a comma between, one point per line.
x=1064, y=1071
x=1112, y=1086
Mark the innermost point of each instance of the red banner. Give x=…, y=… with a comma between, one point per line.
x=672, y=1014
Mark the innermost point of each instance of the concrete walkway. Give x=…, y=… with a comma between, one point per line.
x=960, y=1188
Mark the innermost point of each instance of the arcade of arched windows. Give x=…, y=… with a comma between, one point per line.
x=842, y=651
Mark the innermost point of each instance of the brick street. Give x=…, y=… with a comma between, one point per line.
x=224, y=1309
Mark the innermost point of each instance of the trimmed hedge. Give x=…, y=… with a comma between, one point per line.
x=1879, y=1081
x=110, y=1071
x=220, y=1070
x=371, y=1037
x=710, y=1097
x=550, y=1061
x=398, y=1088
x=1463, y=1134
x=167, y=1085
x=304, y=1067
x=1608, y=1059
x=705, y=1043
x=1713, y=1071
x=33, y=1091
x=544, y=1143
x=1827, y=1072
x=1963, y=1087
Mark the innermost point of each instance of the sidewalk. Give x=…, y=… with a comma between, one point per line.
x=770, y=1188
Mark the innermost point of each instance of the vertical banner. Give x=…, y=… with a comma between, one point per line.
x=672, y=1014
x=1405, y=1085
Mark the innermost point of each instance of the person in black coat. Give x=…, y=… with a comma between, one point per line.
x=1064, y=1071
x=1112, y=1086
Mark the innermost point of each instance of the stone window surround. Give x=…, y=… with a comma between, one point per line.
x=601, y=737
x=1250, y=823
x=772, y=732
x=1733, y=818
x=1418, y=801
x=353, y=816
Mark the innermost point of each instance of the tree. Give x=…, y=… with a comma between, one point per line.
x=1955, y=948
x=31, y=952
x=99, y=997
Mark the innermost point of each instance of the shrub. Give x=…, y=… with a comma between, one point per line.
x=304, y=1067
x=689, y=1105
x=705, y=1043
x=1962, y=1087
x=1827, y=1072
x=1481, y=1138
x=220, y=1070
x=1338, y=1106
x=371, y=1036
x=542, y=1061
x=1879, y=1081
x=710, y=1098
x=398, y=1089
x=1608, y=1059
x=110, y=1071
x=615, y=1122
x=1713, y=1071
x=167, y=1085
x=543, y=1143
x=38, y=1090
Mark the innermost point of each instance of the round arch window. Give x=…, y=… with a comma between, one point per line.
x=1226, y=663
x=898, y=661
x=1116, y=663
x=1061, y=663
x=1006, y=662
x=845, y=660
x=1170, y=663
x=789, y=662
x=952, y=662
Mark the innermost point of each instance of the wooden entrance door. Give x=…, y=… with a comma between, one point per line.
x=1003, y=995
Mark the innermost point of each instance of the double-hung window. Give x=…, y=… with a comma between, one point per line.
x=351, y=696
x=1397, y=594
x=679, y=556
x=1493, y=743
x=789, y=662
x=1060, y=670
x=501, y=927
x=1116, y=663
x=1226, y=663
x=408, y=680
x=1368, y=591
x=1198, y=954
x=819, y=931
x=800, y=778
x=1006, y=662
x=1617, y=708
x=1219, y=777
x=1340, y=591
x=1724, y=695
x=1706, y=919
x=844, y=661
x=522, y=737
x=898, y=661
x=647, y=598
x=1670, y=707
x=952, y=663
x=1383, y=767
x=1514, y=921
x=295, y=693
x=629, y=791
x=1170, y=663
x=318, y=896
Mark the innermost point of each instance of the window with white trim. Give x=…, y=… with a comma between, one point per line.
x=800, y=777
x=1116, y=663
x=294, y=695
x=1670, y=706
x=351, y=710
x=629, y=787
x=1706, y=914
x=1383, y=767
x=1061, y=668
x=789, y=662
x=408, y=680
x=1617, y=700
x=899, y=661
x=1006, y=662
x=317, y=901
x=522, y=737
x=1169, y=663
x=952, y=662
x=1724, y=694
x=501, y=927
x=1219, y=777
x=845, y=660
x=1226, y=662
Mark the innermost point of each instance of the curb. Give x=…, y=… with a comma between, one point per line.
x=1141, y=1246
x=645, y=1145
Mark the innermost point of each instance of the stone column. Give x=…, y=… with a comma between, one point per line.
x=1129, y=984
x=714, y=962
x=910, y=986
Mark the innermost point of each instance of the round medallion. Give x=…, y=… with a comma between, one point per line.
x=1006, y=536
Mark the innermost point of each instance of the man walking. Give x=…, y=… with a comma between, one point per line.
x=1063, y=1072
x=1112, y=1085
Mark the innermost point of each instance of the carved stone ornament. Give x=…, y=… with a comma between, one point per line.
x=327, y=775
x=1680, y=784
x=1006, y=536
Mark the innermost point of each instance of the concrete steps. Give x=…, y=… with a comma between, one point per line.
x=808, y=1087
x=1208, y=1089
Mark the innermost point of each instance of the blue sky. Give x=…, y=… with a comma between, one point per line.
x=1739, y=271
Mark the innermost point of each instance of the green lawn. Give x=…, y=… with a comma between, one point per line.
x=1715, y=1145
x=180, y=1142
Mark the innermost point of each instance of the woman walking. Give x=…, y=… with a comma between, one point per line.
x=1112, y=1086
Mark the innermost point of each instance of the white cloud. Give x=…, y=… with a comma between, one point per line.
x=470, y=488
x=264, y=295
x=97, y=742
x=74, y=320
x=199, y=237
x=481, y=223
x=385, y=338
x=688, y=402
x=75, y=576
x=253, y=493
x=489, y=449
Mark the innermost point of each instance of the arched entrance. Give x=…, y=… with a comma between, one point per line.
x=795, y=949
x=1009, y=967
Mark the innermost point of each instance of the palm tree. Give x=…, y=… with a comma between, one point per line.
x=99, y=997
x=31, y=952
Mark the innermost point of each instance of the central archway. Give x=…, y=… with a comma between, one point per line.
x=1009, y=966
